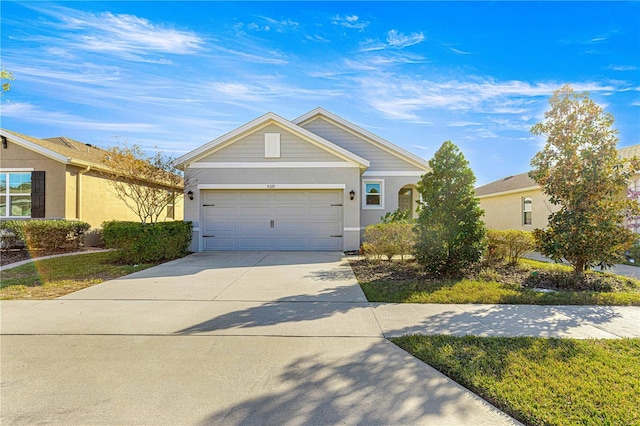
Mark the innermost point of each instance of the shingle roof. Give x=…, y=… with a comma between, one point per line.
x=67, y=147
x=522, y=181
x=509, y=183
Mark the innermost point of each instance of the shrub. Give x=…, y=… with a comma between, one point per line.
x=44, y=234
x=388, y=239
x=137, y=242
x=508, y=244
x=402, y=216
x=11, y=233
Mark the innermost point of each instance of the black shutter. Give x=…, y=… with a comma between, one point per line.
x=37, y=195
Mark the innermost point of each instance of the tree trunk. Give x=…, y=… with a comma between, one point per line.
x=578, y=269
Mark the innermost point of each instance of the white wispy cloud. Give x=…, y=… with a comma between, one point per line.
x=269, y=24
x=622, y=68
x=459, y=52
x=263, y=89
x=36, y=114
x=350, y=21
x=399, y=41
x=404, y=97
x=394, y=40
x=269, y=56
x=121, y=34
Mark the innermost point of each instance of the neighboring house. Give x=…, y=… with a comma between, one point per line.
x=312, y=183
x=517, y=202
x=59, y=178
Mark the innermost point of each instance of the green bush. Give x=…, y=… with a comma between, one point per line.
x=11, y=233
x=509, y=244
x=388, y=239
x=402, y=216
x=137, y=243
x=45, y=234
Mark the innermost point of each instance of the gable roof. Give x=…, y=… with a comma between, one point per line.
x=62, y=149
x=263, y=121
x=362, y=133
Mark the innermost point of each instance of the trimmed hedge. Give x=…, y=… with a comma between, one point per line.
x=509, y=244
x=136, y=242
x=43, y=234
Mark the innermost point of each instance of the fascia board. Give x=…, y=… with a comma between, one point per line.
x=354, y=129
x=35, y=147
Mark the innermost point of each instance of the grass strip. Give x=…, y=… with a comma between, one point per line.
x=473, y=291
x=51, y=278
x=542, y=381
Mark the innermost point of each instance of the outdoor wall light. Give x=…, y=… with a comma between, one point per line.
x=190, y=195
x=352, y=194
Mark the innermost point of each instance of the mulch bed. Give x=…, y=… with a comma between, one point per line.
x=410, y=271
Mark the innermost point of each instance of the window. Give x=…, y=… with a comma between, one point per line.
x=373, y=194
x=272, y=145
x=171, y=206
x=526, y=211
x=15, y=194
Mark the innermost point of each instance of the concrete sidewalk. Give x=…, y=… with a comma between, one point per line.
x=224, y=338
x=577, y=322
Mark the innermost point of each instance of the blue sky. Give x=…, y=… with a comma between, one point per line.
x=175, y=75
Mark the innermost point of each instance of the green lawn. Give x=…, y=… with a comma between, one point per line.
x=491, y=288
x=51, y=278
x=542, y=381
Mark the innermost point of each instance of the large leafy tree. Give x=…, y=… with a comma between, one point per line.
x=450, y=233
x=146, y=184
x=580, y=171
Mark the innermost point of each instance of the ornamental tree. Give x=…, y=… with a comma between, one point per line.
x=579, y=169
x=146, y=184
x=450, y=235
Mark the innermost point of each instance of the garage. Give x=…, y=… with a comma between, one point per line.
x=272, y=219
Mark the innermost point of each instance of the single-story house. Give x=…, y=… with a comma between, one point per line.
x=517, y=202
x=60, y=178
x=313, y=183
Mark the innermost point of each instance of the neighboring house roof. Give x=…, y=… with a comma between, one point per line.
x=62, y=149
x=523, y=182
x=519, y=182
x=359, y=131
x=630, y=151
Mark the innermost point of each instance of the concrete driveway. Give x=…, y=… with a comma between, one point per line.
x=223, y=338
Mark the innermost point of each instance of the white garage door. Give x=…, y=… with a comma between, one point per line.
x=272, y=220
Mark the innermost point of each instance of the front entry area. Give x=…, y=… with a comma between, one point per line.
x=272, y=220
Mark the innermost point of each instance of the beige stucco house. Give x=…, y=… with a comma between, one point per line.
x=60, y=178
x=312, y=183
x=517, y=202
